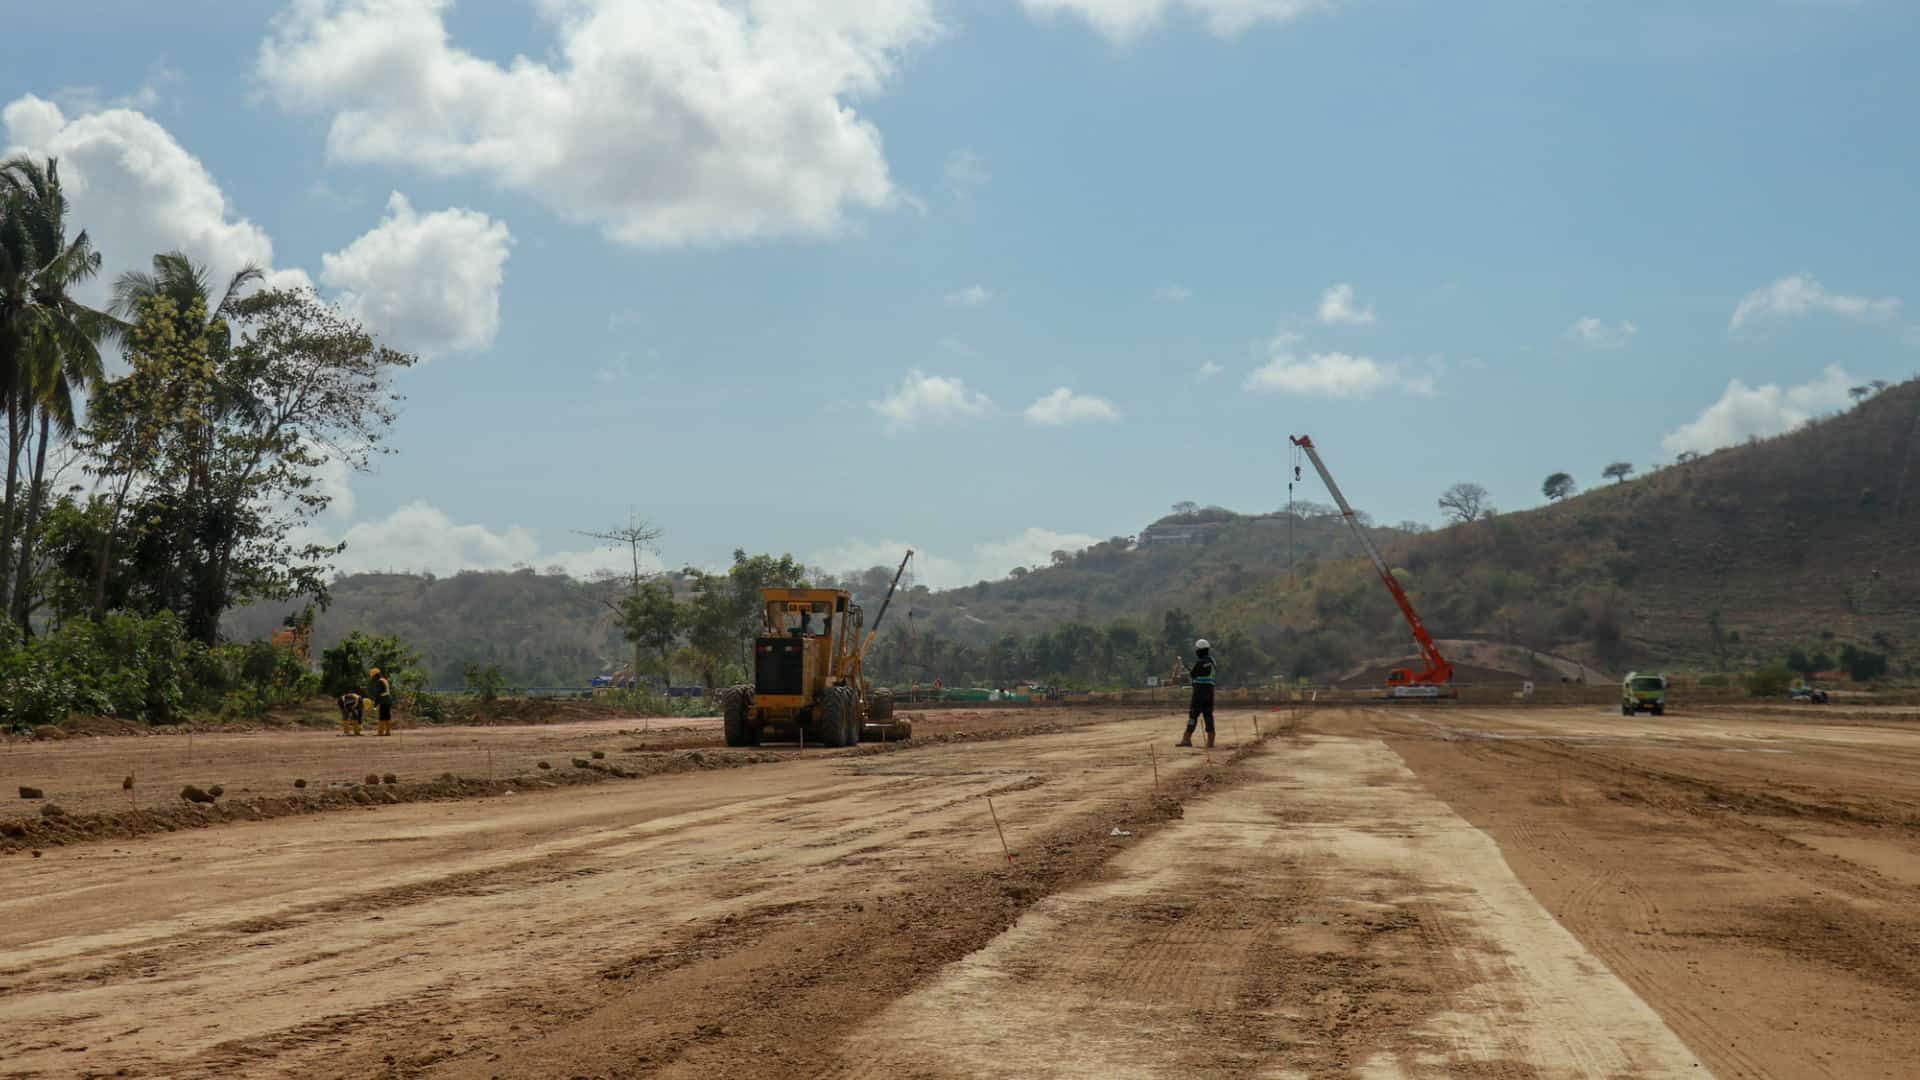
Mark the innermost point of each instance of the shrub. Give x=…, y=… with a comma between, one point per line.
x=1862, y=665
x=1770, y=681
x=124, y=665
x=486, y=681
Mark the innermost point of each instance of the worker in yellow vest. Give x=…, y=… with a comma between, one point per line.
x=382, y=695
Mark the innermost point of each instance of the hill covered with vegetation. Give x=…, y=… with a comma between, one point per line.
x=1730, y=561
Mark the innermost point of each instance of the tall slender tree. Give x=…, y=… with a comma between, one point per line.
x=49, y=348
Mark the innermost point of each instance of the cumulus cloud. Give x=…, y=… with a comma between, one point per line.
x=137, y=192
x=429, y=283
x=971, y=296
x=1330, y=375
x=1798, y=295
x=421, y=538
x=1337, y=308
x=1208, y=370
x=1122, y=21
x=1746, y=412
x=1063, y=407
x=1594, y=334
x=987, y=561
x=923, y=399
x=1173, y=294
x=673, y=123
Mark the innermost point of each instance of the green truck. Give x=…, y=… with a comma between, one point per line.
x=1643, y=690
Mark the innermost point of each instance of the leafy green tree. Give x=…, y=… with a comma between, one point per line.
x=1862, y=665
x=1177, y=630
x=347, y=664
x=225, y=438
x=485, y=681
x=1798, y=661
x=1558, y=486
x=1618, y=472
x=650, y=618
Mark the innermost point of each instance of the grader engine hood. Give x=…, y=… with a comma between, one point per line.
x=780, y=665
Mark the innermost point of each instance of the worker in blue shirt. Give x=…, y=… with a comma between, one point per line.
x=1201, y=704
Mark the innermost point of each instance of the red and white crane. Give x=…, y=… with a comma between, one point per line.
x=1436, y=679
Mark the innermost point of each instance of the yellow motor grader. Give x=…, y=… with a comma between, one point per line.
x=808, y=673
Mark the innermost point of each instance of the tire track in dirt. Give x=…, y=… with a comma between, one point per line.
x=1328, y=920
x=446, y=932
x=1760, y=903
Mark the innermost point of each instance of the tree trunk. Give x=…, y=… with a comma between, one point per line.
x=36, y=499
x=106, y=549
x=8, y=520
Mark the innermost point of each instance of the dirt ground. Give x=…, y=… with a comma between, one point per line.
x=1412, y=892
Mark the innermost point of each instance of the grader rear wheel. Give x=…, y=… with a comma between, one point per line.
x=839, y=719
x=736, y=709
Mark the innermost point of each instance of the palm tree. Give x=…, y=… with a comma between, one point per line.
x=49, y=347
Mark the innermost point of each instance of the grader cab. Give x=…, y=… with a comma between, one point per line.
x=809, y=680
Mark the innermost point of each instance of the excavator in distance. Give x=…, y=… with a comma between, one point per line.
x=809, y=672
x=1436, y=678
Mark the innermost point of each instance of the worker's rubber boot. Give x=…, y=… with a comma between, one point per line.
x=1209, y=740
x=1185, y=740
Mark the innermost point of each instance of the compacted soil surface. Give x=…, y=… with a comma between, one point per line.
x=1374, y=892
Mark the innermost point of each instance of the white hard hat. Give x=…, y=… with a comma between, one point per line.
x=1201, y=645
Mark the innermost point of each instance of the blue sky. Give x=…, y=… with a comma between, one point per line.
x=812, y=276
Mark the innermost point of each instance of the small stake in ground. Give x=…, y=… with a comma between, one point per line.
x=1154, y=756
x=1008, y=852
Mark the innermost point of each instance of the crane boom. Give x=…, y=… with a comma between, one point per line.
x=1438, y=670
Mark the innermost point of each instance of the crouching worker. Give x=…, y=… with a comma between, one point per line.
x=1201, y=704
x=352, y=710
x=382, y=694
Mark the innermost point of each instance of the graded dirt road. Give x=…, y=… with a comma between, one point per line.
x=1395, y=892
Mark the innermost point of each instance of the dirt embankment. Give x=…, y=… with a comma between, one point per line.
x=99, y=791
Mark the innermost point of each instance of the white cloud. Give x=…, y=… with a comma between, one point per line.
x=1208, y=370
x=1799, y=294
x=427, y=283
x=1063, y=407
x=1594, y=334
x=137, y=192
x=1745, y=412
x=420, y=537
x=1174, y=294
x=670, y=123
x=971, y=296
x=1332, y=375
x=1123, y=20
x=1337, y=309
x=988, y=561
x=966, y=172
x=923, y=399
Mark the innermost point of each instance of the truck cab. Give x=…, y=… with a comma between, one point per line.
x=1642, y=690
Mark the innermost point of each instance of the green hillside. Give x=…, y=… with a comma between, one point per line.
x=1728, y=562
